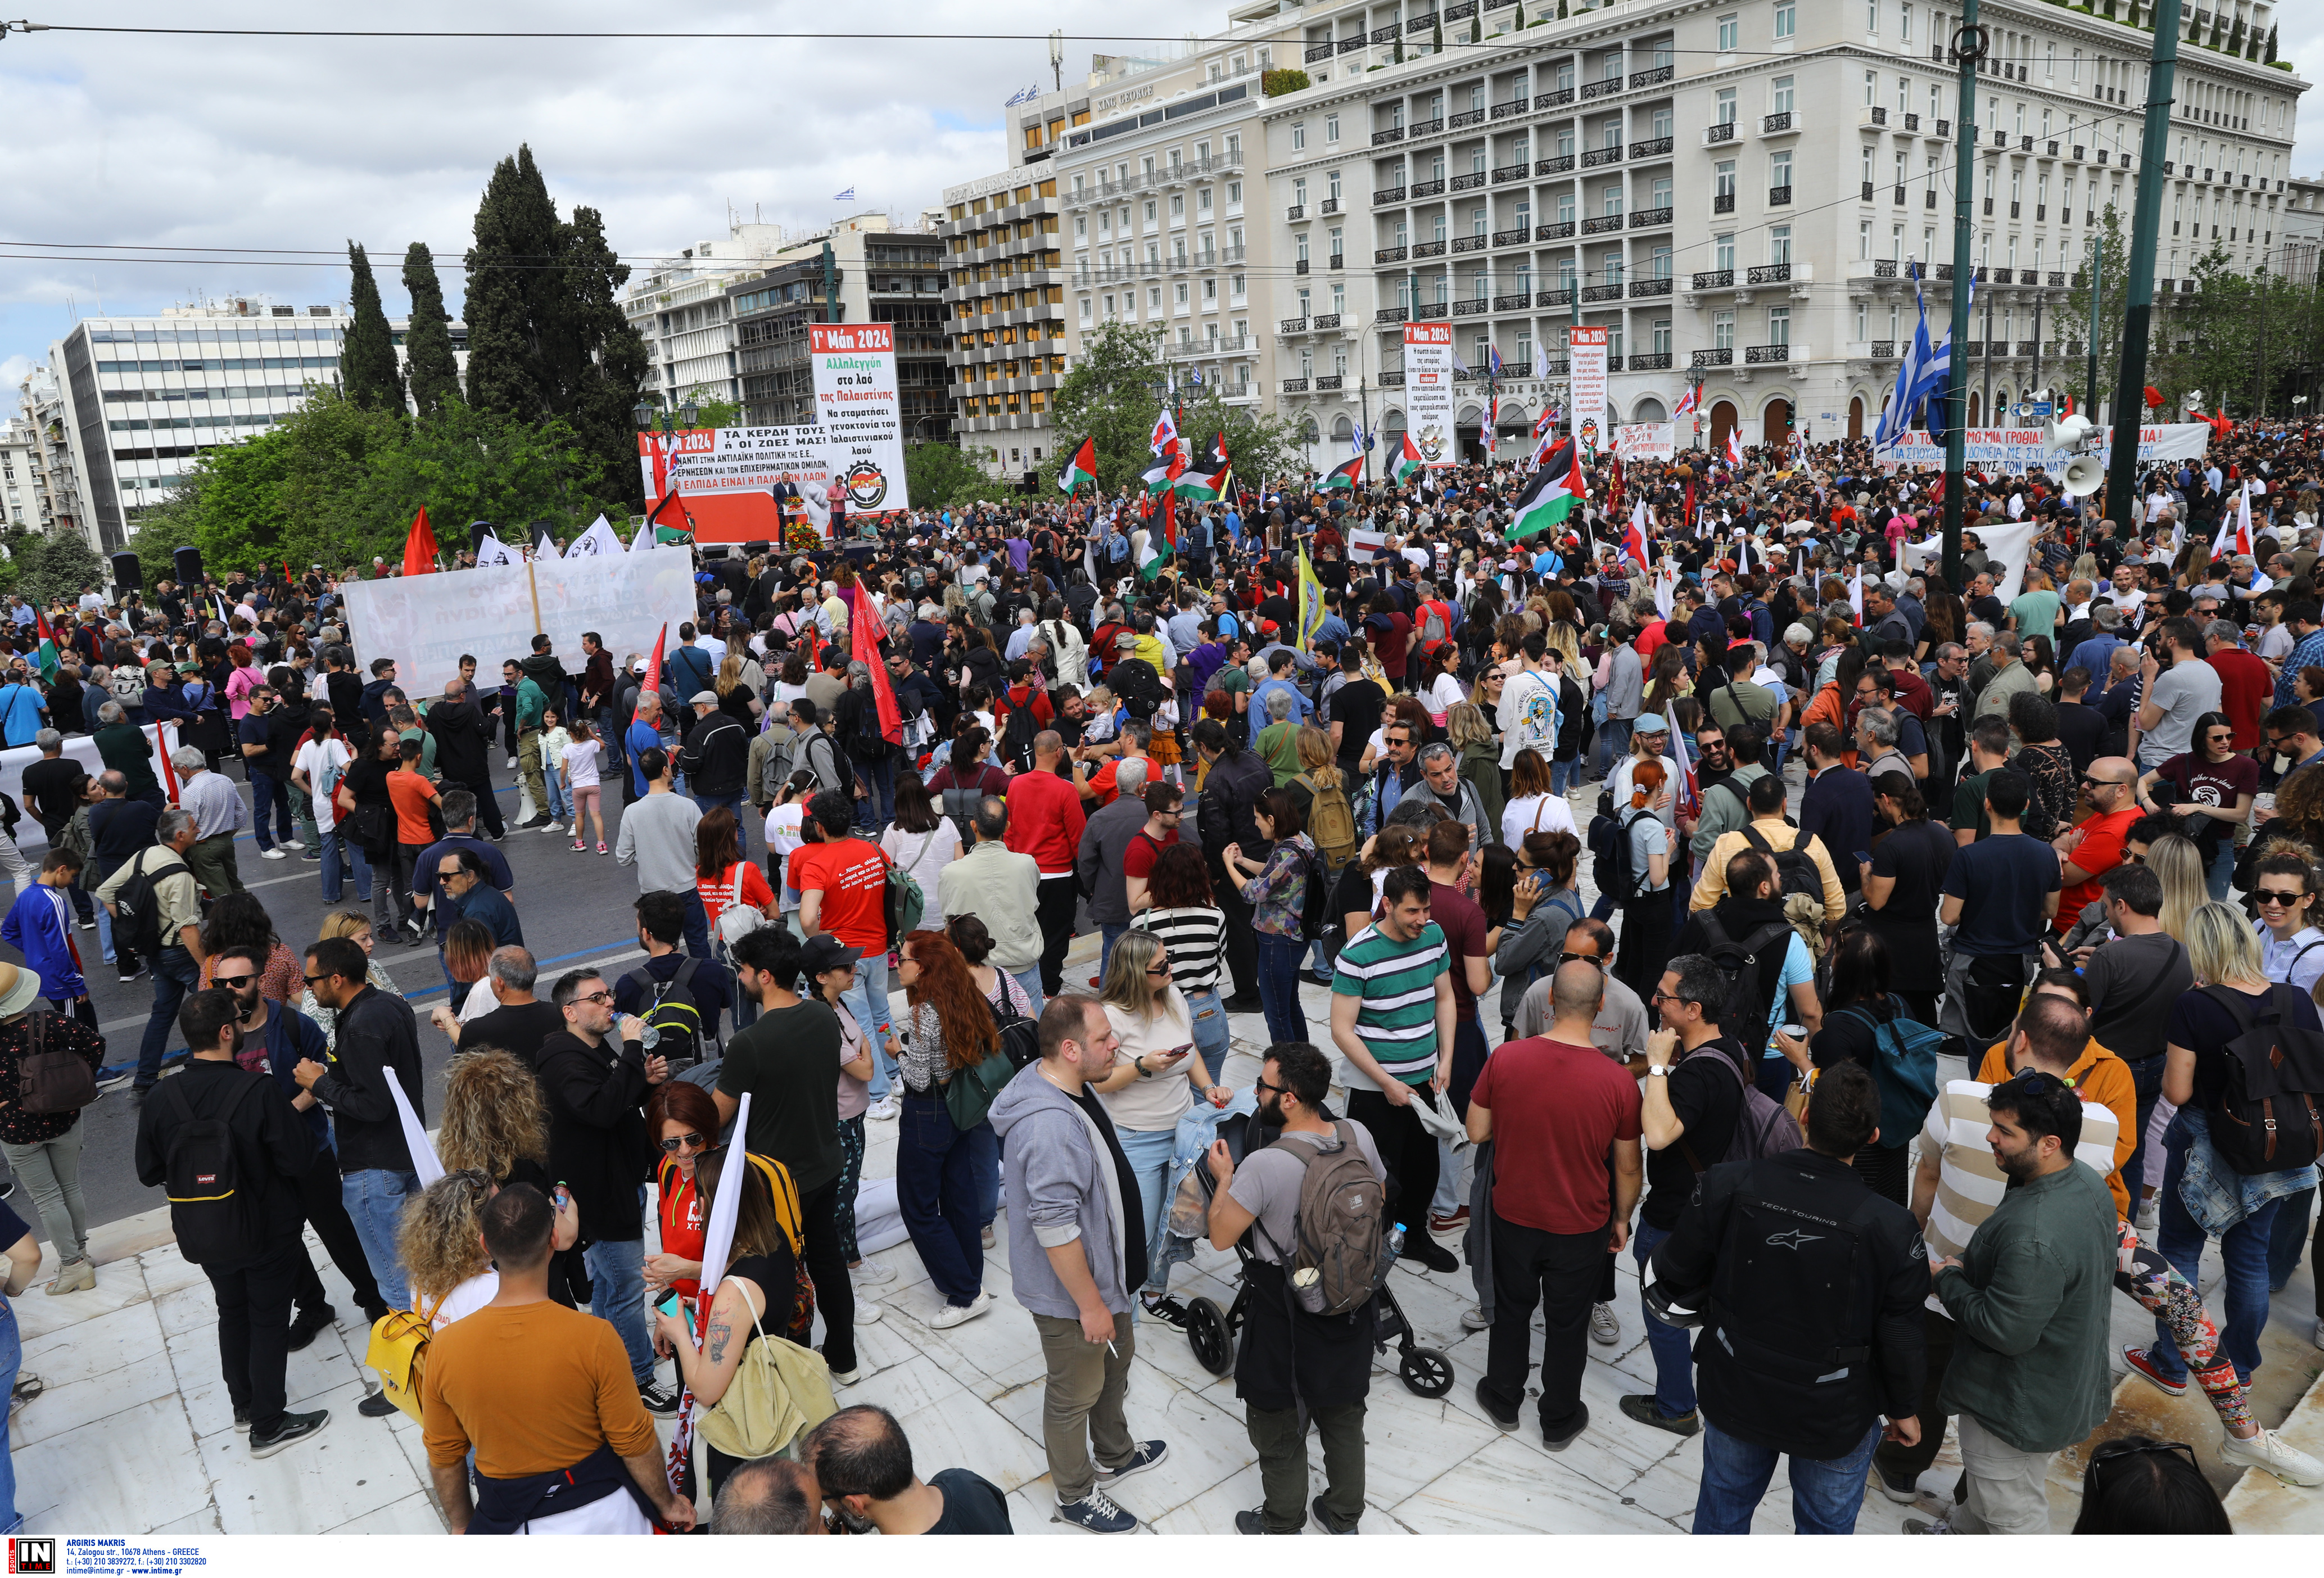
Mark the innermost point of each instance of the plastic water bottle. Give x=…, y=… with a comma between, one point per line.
x=650, y=1037
x=1395, y=1244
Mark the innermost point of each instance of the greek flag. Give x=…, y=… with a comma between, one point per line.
x=1922, y=377
x=846, y=196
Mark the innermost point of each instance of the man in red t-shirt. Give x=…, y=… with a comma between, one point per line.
x=2246, y=684
x=2093, y=846
x=1556, y=1106
x=1046, y=821
x=843, y=888
x=1165, y=803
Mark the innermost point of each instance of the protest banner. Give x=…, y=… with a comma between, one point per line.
x=1647, y=441
x=1428, y=392
x=2016, y=450
x=860, y=413
x=726, y=478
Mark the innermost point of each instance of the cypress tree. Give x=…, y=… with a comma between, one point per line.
x=1436, y=36
x=2269, y=59
x=601, y=361
x=2235, y=38
x=367, y=361
x=427, y=344
x=510, y=277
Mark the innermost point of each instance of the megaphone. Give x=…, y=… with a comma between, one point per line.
x=2068, y=434
x=2083, y=475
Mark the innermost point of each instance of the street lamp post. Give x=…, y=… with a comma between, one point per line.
x=1694, y=380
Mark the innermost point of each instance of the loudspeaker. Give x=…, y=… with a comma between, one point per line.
x=128, y=575
x=712, y=552
x=189, y=561
x=2068, y=433
x=2083, y=475
x=754, y=549
x=477, y=531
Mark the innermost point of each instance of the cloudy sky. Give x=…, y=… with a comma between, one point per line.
x=291, y=145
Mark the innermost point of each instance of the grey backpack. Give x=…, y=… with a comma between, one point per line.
x=1340, y=1254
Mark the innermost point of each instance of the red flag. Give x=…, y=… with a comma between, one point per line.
x=1689, y=503
x=653, y=668
x=863, y=631
x=1170, y=518
x=419, y=547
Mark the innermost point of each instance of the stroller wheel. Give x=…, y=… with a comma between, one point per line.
x=1426, y=1371
x=1213, y=1340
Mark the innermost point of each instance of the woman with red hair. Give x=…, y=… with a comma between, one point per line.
x=938, y=1186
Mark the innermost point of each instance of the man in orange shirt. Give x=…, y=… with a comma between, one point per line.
x=843, y=888
x=1046, y=821
x=2093, y=846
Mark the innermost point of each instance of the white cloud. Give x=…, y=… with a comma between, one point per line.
x=12, y=373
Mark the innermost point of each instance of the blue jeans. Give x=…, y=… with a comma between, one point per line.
x=1108, y=935
x=2287, y=1241
x=1278, y=987
x=559, y=807
x=734, y=803
x=1826, y=1494
x=696, y=922
x=2146, y=1079
x=866, y=1000
x=617, y=1293
x=1564, y=775
x=1148, y=1151
x=937, y=1195
x=1029, y=978
x=175, y=974
x=2221, y=871
x=1212, y=1038
x=614, y=768
x=1674, y=1352
x=2243, y=1251
x=11, y=1360
x=375, y=1199
x=878, y=809
x=338, y=854
x=269, y=793
x=1613, y=744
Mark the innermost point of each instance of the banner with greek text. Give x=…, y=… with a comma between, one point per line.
x=1428, y=392
x=1647, y=441
x=726, y=478
x=857, y=403
x=1585, y=378
x=2015, y=450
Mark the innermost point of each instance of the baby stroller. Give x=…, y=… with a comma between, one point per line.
x=1211, y=1332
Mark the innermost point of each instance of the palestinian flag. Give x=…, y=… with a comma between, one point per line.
x=1407, y=462
x=1156, y=476
x=1148, y=552
x=1347, y=474
x=1081, y=468
x=1206, y=479
x=1551, y=494
x=45, y=659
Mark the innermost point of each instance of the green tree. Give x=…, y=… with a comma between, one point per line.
x=435, y=372
x=2236, y=37
x=941, y=476
x=2114, y=271
x=2269, y=58
x=509, y=276
x=600, y=360
x=2207, y=339
x=367, y=364
x=42, y=567
x=1117, y=388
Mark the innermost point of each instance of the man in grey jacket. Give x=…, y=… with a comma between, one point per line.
x=657, y=836
x=1001, y=889
x=1440, y=784
x=1070, y=1245
x=1097, y=864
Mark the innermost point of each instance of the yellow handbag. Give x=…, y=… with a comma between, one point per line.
x=780, y=1390
x=399, y=1352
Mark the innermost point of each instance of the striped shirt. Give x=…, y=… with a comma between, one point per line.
x=1397, y=983
x=1194, y=937
x=1969, y=1182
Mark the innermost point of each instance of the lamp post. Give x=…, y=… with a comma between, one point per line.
x=645, y=412
x=1694, y=380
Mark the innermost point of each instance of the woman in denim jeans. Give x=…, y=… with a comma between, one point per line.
x=23, y=1264
x=938, y=1168
x=1277, y=895
x=1157, y=1075
x=1181, y=915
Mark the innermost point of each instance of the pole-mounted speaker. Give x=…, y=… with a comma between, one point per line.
x=128, y=574
x=189, y=563
x=2084, y=475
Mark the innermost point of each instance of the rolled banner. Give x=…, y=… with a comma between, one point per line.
x=424, y=1163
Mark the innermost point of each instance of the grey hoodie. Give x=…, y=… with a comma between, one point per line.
x=1062, y=1187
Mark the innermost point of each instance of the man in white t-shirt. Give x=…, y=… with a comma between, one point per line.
x=1528, y=707
x=315, y=773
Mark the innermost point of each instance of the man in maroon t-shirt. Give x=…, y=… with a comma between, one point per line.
x=1165, y=803
x=1457, y=916
x=1555, y=1108
x=2246, y=684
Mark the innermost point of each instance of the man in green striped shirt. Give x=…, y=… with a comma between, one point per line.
x=1391, y=1012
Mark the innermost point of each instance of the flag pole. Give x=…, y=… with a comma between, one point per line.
x=534, y=586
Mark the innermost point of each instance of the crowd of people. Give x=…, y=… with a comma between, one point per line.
x=1770, y=891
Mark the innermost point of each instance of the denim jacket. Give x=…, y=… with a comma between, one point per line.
x=1198, y=1126
x=2216, y=1195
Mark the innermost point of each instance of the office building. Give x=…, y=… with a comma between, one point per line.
x=876, y=276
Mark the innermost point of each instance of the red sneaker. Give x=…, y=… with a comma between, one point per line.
x=2140, y=1361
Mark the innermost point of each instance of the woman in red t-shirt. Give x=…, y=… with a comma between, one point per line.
x=1389, y=631
x=2210, y=788
x=682, y=1121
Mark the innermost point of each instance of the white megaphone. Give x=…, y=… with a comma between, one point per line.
x=2068, y=434
x=2083, y=475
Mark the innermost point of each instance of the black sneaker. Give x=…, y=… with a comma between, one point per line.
x=1507, y=1418
x=378, y=1406
x=1167, y=1312
x=1323, y=1521
x=658, y=1399
x=311, y=1325
x=1096, y=1513
x=1640, y=1406
x=294, y=1428
x=1420, y=1247
x=241, y=1421
x=129, y=975
x=1254, y=1521
x=1144, y=1456
x=1572, y=1433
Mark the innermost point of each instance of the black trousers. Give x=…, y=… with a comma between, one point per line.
x=488, y=807
x=253, y=1307
x=1054, y=906
x=327, y=1213
x=826, y=1266
x=1908, y=1462
x=1407, y=1149
x=1561, y=1273
x=1243, y=937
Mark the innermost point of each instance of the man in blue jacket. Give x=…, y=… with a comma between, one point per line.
x=40, y=926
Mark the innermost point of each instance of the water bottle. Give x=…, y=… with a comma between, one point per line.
x=650, y=1037
x=1395, y=1246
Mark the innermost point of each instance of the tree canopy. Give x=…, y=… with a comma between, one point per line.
x=1117, y=388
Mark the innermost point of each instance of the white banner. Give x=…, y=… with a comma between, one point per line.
x=705, y=461
x=1585, y=377
x=2015, y=450
x=1647, y=441
x=855, y=397
x=2006, y=546
x=1428, y=392
x=79, y=748
x=425, y=623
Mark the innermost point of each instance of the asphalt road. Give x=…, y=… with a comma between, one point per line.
x=576, y=909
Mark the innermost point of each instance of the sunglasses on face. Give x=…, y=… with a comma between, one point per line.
x=2277, y=896
x=693, y=1141
x=594, y=997
x=231, y=981
x=1581, y=958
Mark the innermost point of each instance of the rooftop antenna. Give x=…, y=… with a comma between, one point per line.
x=1058, y=58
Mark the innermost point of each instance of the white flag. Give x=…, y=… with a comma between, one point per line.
x=598, y=540
x=1855, y=592
x=546, y=548
x=493, y=551
x=424, y=1163
x=644, y=540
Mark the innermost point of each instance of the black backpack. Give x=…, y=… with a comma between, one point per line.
x=1017, y=734
x=1133, y=681
x=137, y=907
x=2268, y=1119
x=673, y=1011
x=1315, y=909
x=1745, y=1013
x=1609, y=842
x=1795, y=868
x=214, y=1208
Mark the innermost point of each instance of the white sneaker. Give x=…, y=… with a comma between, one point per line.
x=883, y=1111
x=1604, y=1329
x=2269, y=1450
x=870, y=1273
x=554, y=827
x=1475, y=1319
x=273, y=855
x=868, y=1313
x=953, y=1314
x=510, y=762
x=2150, y=1218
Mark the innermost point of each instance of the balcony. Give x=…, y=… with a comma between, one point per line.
x=1555, y=164
x=1388, y=34
x=1469, y=182
x=2078, y=151
x=1315, y=52
x=1876, y=115
x=1323, y=322
x=2001, y=139
x=1601, y=224
x=1467, y=243
x=1718, y=131
x=2050, y=149
x=1552, y=99
x=1296, y=211
x=1928, y=199
x=1763, y=355
x=1427, y=189
x=1648, y=218
x=1300, y=267
x=1426, y=128
x=1339, y=260
x=2057, y=279
x=1911, y=121
x=1722, y=202
x=1515, y=107
x=1467, y=117
x=1652, y=76
x=1517, y=237
x=1516, y=303
x=1886, y=268
x=1555, y=230
x=1723, y=356
x=1558, y=369
x=1782, y=121
x=2000, y=276
x=1602, y=292
x=1714, y=280
x=1866, y=195
x=1327, y=382
x=1884, y=350
x=1428, y=249
x=1387, y=195
x=1593, y=157
x=1294, y=386
x=1652, y=148
x=1470, y=308
x=1564, y=298
x=1349, y=46
x=1769, y=274
x=2015, y=210
x=1328, y=205
x=1600, y=88
x=1460, y=12
x=1388, y=315
x=1613, y=363
x=1970, y=350
x=1434, y=309
x=1393, y=379
x=1657, y=285
x=1292, y=326
x=1511, y=172
x=1779, y=197
x=1899, y=198
x=1382, y=138
x=2029, y=347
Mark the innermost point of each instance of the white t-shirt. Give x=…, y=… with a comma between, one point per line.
x=1444, y=694
x=925, y=855
x=479, y=1001
x=467, y=1299
x=323, y=760
x=1536, y=814
x=580, y=759
x=783, y=835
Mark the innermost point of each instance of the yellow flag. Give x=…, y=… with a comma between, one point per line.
x=1311, y=603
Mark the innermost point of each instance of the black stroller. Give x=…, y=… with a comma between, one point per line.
x=1210, y=1331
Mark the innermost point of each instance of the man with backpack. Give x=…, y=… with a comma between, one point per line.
x=156, y=911
x=713, y=759
x=1802, y=864
x=1314, y=1199
x=681, y=997
x=1769, y=971
x=1100, y=866
x=225, y=1146
x=1812, y=1286
x=1697, y=1102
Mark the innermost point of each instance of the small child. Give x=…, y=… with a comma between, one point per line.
x=553, y=740
x=577, y=765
